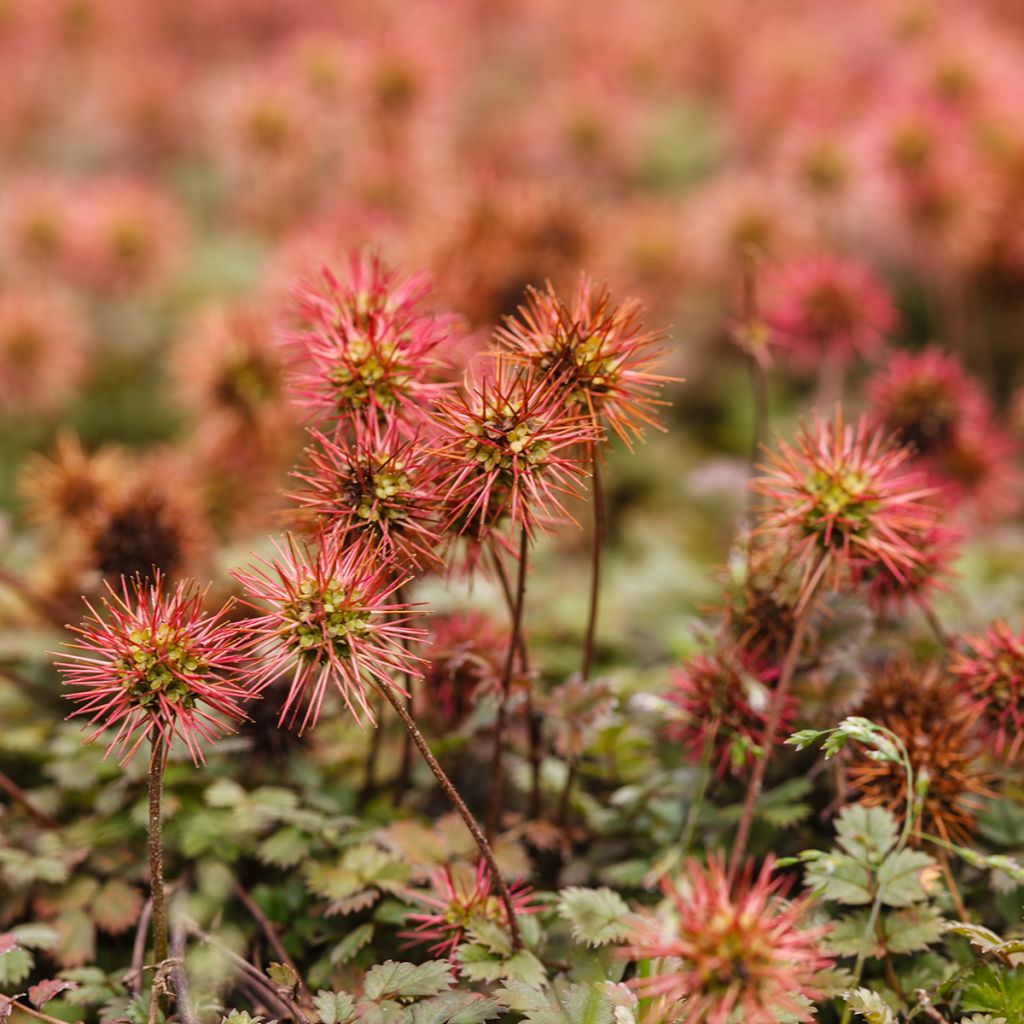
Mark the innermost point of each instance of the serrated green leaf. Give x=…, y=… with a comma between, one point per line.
x=912, y=929
x=867, y=834
x=36, y=936
x=391, y=979
x=456, y=1007
x=905, y=877
x=597, y=916
x=15, y=967
x=838, y=877
x=870, y=1005
x=349, y=946
x=334, y=1007
x=285, y=848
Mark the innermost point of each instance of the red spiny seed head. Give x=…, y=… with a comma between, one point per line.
x=600, y=353
x=63, y=489
x=378, y=490
x=924, y=398
x=723, y=699
x=458, y=900
x=916, y=584
x=332, y=619
x=843, y=498
x=824, y=306
x=153, y=664
x=731, y=952
x=367, y=346
x=938, y=726
x=465, y=657
x=507, y=439
x=991, y=673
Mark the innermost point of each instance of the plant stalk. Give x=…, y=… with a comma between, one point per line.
x=497, y=766
x=463, y=811
x=774, y=714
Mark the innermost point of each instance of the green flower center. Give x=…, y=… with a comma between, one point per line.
x=371, y=371
x=325, y=619
x=502, y=440
x=842, y=503
x=154, y=664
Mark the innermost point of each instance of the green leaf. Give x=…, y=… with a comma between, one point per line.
x=479, y=963
x=391, y=979
x=997, y=990
x=981, y=938
x=456, y=1007
x=36, y=936
x=525, y=967
x=334, y=1007
x=867, y=834
x=15, y=967
x=905, y=878
x=870, y=1005
x=839, y=878
x=597, y=916
x=912, y=929
x=285, y=848
x=283, y=976
x=349, y=946
x=849, y=932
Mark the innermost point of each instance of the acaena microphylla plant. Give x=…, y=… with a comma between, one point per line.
x=329, y=617
x=458, y=900
x=990, y=669
x=509, y=446
x=377, y=490
x=844, y=504
x=722, y=699
x=601, y=354
x=844, y=501
x=730, y=952
x=937, y=724
x=824, y=307
x=155, y=665
x=366, y=346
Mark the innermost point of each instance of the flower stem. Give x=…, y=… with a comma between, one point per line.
x=156, y=860
x=156, y=850
x=596, y=550
x=534, y=719
x=778, y=701
x=703, y=778
x=497, y=767
x=463, y=811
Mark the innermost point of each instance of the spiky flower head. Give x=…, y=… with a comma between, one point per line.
x=153, y=664
x=845, y=502
x=67, y=487
x=329, y=618
x=827, y=307
x=377, y=490
x=459, y=900
x=991, y=673
x=929, y=402
x=919, y=583
x=924, y=398
x=43, y=343
x=722, y=698
x=508, y=442
x=936, y=724
x=730, y=952
x=600, y=353
x=465, y=657
x=366, y=346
